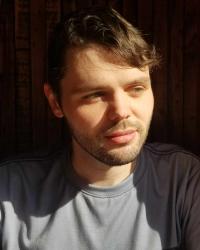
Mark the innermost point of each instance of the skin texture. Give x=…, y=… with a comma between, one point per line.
x=108, y=105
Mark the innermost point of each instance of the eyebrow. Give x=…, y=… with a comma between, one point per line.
x=83, y=89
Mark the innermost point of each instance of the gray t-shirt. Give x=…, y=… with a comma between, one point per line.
x=43, y=207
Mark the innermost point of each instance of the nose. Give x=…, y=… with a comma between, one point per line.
x=119, y=106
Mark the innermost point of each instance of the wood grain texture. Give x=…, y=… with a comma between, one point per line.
x=54, y=126
x=23, y=76
x=145, y=18
x=175, y=72
x=26, y=122
x=68, y=6
x=190, y=73
x=130, y=11
x=7, y=80
x=160, y=79
x=38, y=71
x=83, y=4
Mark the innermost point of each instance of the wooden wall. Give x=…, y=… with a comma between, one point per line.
x=172, y=25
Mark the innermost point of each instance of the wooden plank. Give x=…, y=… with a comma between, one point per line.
x=7, y=80
x=100, y=2
x=159, y=79
x=23, y=98
x=38, y=72
x=68, y=6
x=117, y=5
x=2, y=44
x=130, y=11
x=54, y=125
x=83, y=4
x=145, y=24
x=145, y=18
x=23, y=104
x=175, y=65
x=53, y=15
x=191, y=75
x=197, y=141
x=22, y=24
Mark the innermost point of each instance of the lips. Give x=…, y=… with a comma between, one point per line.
x=121, y=137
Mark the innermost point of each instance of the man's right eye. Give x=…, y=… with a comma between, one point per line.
x=94, y=96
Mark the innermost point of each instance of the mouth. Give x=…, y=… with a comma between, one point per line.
x=121, y=137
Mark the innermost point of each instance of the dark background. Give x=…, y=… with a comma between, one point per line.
x=27, y=124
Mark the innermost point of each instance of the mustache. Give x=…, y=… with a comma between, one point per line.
x=123, y=125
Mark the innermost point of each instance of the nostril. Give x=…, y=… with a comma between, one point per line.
x=118, y=114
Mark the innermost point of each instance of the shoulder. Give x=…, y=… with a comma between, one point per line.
x=170, y=153
x=171, y=162
x=173, y=183
x=32, y=183
x=33, y=158
x=173, y=171
x=30, y=167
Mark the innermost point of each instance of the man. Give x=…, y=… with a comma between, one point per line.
x=109, y=191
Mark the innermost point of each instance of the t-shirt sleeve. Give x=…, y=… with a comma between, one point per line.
x=0, y=230
x=4, y=195
x=191, y=214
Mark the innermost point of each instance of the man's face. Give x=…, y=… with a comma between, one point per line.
x=108, y=105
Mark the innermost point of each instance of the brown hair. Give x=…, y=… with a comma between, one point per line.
x=101, y=26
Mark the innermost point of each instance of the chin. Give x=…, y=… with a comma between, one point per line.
x=118, y=156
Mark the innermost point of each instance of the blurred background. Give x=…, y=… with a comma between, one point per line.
x=26, y=122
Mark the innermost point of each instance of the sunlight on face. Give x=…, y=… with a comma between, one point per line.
x=107, y=105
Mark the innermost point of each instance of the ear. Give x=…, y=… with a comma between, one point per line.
x=52, y=100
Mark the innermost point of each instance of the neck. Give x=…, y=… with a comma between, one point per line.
x=91, y=171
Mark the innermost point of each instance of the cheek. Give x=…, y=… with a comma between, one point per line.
x=146, y=108
x=86, y=117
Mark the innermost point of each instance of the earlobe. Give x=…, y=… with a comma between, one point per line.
x=52, y=100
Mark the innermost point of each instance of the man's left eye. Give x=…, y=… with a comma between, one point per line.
x=136, y=89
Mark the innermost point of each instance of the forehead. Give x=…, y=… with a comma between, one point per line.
x=95, y=65
x=93, y=58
